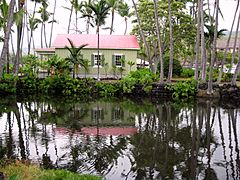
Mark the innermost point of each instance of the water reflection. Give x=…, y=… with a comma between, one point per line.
x=123, y=139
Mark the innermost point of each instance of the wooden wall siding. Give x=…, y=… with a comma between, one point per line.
x=130, y=55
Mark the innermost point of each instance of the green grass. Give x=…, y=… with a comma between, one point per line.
x=20, y=171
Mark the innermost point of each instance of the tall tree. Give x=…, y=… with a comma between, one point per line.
x=100, y=11
x=171, y=42
x=7, y=35
x=124, y=11
x=203, y=48
x=213, y=54
x=227, y=45
x=198, y=40
x=77, y=6
x=143, y=36
x=113, y=4
x=33, y=25
x=52, y=22
x=44, y=14
x=3, y=19
x=87, y=13
x=159, y=41
x=19, y=23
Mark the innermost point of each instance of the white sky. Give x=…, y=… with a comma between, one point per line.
x=62, y=15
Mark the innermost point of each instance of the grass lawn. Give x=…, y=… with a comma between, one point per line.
x=20, y=171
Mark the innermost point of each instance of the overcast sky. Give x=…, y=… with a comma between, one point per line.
x=62, y=15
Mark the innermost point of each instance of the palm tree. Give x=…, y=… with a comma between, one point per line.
x=159, y=41
x=77, y=7
x=227, y=45
x=171, y=42
x=75, y=56
x=113, y=4
x=143, y=36
x=87, y=13
x=7, y=35
x=3, y=19
x=33, y=24
x=213, y=54
x=197, y=40
x=203, y=48
x=123, y=10
x=19, y=36
x=44, y=18
x=100, y=11
x=52, y=22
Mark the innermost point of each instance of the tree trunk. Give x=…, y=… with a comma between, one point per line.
x=213, y=55
x=111, y=28
x=171, y=43
x=143, y=37
x=87, y=25
x=45, y=34
x=235, y=43
x=19, y=39
x=159, y=42
x=76, y=21
x=7, y=36
x=198, y=40
x=227, y=45
x=53, y=16
x=31, y=30
x=126, y=26
x=203, y=48
x=70, y=19
x=98, y=60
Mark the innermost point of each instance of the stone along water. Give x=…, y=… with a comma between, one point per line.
x=122, y=138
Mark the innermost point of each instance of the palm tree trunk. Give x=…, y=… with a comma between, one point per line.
x=70, y=18
x=111, y=28
x=7, y=36
x=234, y=78
x=87, y=25
x=126, y=26
x=98, y=60
x=31, y=30
x=54, y=10
x=203, y=49
x=198, y=40
x=19, y=39
x=143, y=37
x=159, y=42
x=42, y=35
x=76, y=21
x=45, y=35
x=227, y=46
x=235, y=43
x=171, y=43
x=210, y=81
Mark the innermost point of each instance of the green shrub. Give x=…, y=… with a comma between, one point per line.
x=8, y=83
x=183, y=89
x=108, y=89
x=142, y=77
x=187, y=73
x=177, y=68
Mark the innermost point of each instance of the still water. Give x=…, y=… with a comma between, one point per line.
x=123, y=138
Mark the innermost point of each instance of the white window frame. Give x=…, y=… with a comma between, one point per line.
x=115, y=55
x=95, y=60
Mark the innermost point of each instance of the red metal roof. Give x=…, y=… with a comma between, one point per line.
x=106, y=41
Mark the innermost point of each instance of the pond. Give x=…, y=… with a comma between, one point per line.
x=123, y=138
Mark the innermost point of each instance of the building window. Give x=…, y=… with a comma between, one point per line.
x=118, y=60
x=97, y=59
x=97, y=114
x=117, y=114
